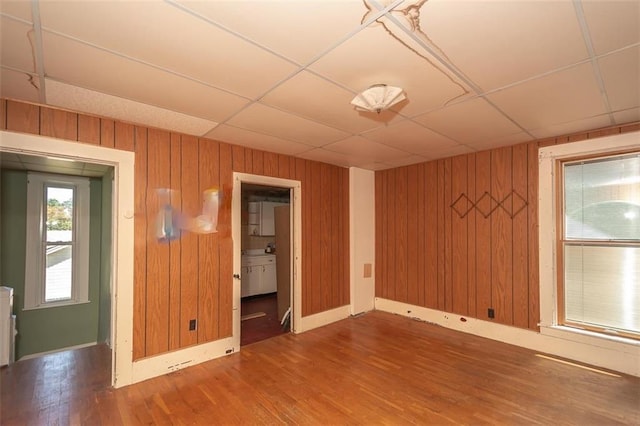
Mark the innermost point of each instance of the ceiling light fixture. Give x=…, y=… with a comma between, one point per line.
x=378, y=97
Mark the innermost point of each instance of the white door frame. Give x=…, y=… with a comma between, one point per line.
x=296, y=243
x=121, y=333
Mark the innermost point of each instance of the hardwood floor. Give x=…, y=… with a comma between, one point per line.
x=377, y=368
x=260, y=328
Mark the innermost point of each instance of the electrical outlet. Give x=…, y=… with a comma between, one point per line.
x=192, y=325
x=491, y=313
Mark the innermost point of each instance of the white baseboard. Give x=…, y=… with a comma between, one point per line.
x=622, y=356
x=69, y=348
x=155, y=366
x=323, y=318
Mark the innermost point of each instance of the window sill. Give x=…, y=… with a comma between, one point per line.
x=56, y=305
x=586, y=336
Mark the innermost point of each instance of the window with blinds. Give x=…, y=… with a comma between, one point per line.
x=599, y=246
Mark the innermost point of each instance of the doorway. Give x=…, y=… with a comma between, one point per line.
x=266, y=233
x=121, y=280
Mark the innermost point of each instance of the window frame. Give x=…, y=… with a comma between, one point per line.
x=36, y=240
x=561, y=242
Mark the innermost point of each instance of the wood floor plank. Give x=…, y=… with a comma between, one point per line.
x=376, y=368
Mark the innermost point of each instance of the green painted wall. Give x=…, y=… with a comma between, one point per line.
x=48, y=329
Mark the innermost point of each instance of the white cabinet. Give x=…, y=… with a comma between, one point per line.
x=258, y=275
x=261, y=218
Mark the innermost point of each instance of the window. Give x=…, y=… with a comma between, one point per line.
x=599, y=245
x=57, y=258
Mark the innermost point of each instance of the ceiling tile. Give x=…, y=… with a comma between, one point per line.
x=314, y=97
x=407, y=161
x=359, y=147
x=270, y=121
x=411, y=137
x=496, y=43
x=627, y=116
x=104, y=72
x=612, y=24
x=572, y=127
x=621, y=75
x=15, y=46
x=299, y=30
x=172, y=39
x=553, y=99
x=19, y=9
x=17, y=85
x=375, y=166
x=255, y=140
x=375, y=56
x=507, y=140
x=335, y=158
x=79, y=99
x=470, y=122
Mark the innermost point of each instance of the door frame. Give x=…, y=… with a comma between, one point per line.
x=121, y=331
x=296, y=243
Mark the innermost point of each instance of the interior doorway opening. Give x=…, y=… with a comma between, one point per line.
x=265, y=281
x=266, y=223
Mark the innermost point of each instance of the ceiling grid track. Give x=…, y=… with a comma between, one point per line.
x=586, y=35
x=37, y=54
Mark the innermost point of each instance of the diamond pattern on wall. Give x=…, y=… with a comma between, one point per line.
x=512, y=204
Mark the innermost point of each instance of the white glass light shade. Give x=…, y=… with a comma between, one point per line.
x=378, y=97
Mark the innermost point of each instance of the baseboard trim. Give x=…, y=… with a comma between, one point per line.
x=322, y=318
x=616, y=356
x=68, y=348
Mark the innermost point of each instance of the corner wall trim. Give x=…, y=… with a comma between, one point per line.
x=615, y=356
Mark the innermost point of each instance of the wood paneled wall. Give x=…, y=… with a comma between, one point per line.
x=191, y=277
x=460, y=234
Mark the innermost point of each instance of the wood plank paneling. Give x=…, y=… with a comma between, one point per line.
x=345, y=250
x=107, y=133
x=157, y=300
x=248, y=160
x=459, y=235
x=441, y=229
x=324, y=282
x=520, y=283
x=140, y=245
x=189, y=253
x=380, y=226
x=421, y=235
x=448, y=267
x=502, y=237
x=284, y=169
x=401, y=220
x=59, y=124
x=238, y=158
x=471, y=242
x=258, y=162
x=335, y=258
x=175, y=246
x=225, y=302
x=89, y=129
x=208, y=249
x=413, y=296
x=270, y=164
x=22, y=117
x=124, y=139
x=484, y=206
x=432, y=237
x=389, y=290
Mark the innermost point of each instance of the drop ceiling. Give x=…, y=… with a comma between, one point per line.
x=279, y=75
